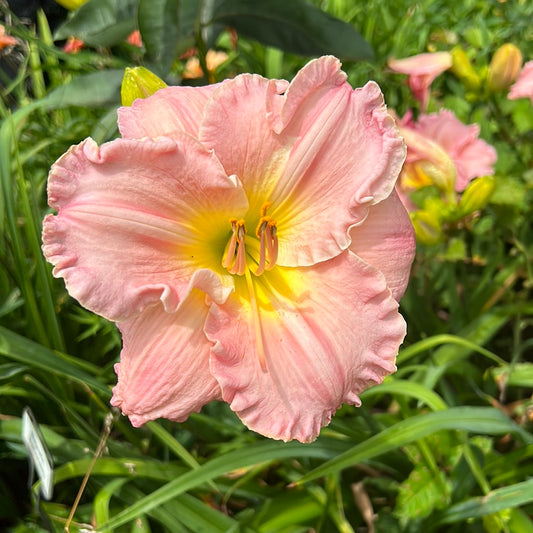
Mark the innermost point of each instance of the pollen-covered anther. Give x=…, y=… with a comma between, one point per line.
x=235, y=255
x=266, y=232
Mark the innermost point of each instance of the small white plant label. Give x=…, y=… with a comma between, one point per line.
x=38, y=453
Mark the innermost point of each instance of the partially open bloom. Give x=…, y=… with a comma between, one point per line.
x=523, y=87
x=422, y=70
x=443, y=151
x=247, y=240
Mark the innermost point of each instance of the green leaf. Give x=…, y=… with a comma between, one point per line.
x=518, y=375
x=297, y=27
x=96, y=89
x=484, y=420
x=30, y=353
x=497, y=500
x=421, y=493
x=263, y=452
x=101, y=22
x=159, y=27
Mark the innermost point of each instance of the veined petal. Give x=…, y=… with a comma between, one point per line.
x=386, y=240
x=317, y=150
x=329, y=332
x=164, y=364
x=137, y=220
x=165, y=113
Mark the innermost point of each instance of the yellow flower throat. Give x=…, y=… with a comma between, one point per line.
x=261, y=255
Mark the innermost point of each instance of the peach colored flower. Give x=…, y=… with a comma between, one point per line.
x=523, y=87
x=422, y=70
x=135, y=39
x=6, y=40
x=247, y=240
x=213, y=59
x=443, y=151
x=73, y=45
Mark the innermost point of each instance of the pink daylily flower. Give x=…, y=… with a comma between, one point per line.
x=454, y=150
x=248, y=242
x=523, y=87
x=422, y=70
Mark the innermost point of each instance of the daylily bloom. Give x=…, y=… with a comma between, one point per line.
x=73, y=45
x=247, y=240
x=443, y=151
x=213, y=59
x=135, y=39
x=6, y=40
x=523, y=87
x=422, y=70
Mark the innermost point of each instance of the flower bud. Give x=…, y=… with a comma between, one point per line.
x=504, y=67
x=139, y=82
x=427, y=227
x=476, y=195
x=462, y=68
x=71, y=5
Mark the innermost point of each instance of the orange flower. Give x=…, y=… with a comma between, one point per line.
x=6, y=40
x=73, y=45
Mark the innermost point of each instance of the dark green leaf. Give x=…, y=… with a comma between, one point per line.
x=101, y=22
x=297, y=27
x=96, y=89
x=158, y=24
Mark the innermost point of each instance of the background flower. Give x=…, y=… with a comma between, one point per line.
x=422, y=70
x=523, y=87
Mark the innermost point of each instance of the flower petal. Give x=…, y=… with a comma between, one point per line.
x=166, y=112
x=164, y=364
x=134, y=222
x=386, y=240
x=328, y=332
x=523, y=87
x=319, y=151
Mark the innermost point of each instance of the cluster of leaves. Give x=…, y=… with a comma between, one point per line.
x=443, y=445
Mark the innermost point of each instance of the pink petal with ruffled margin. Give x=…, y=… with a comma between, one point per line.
x=333, y=333
x=126, y=225
x=164, y=364
x=523, y=87
x=386, y=240
x=168, y=111
x=318, y=150
x=472, y=156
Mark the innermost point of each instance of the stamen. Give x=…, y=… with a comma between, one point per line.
x=229, y=254
x=256, y=321
x=268, y=246
x=272, y=244
x=239, y=267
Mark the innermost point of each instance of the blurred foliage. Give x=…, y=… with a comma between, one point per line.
x=445, y=444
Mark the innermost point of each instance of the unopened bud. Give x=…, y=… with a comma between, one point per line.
x=462, y=68
x=476, y=195
x=139, y=82
x=71, y=5
x=427, y=227
x=504, y=67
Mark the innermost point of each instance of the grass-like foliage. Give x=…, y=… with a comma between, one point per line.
x=443, y=445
